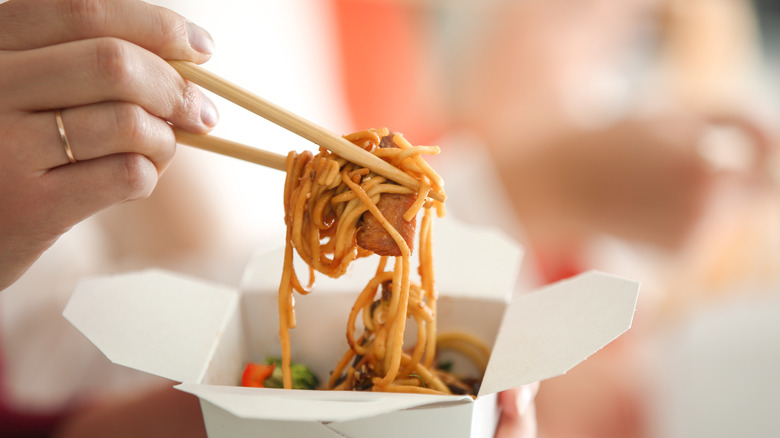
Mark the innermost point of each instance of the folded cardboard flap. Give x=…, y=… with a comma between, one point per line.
x=468, y=261
x=222, y=424
x=154, y=321
x=312, y=405
x=474, y=261
x=477, y=418
x=546, y=333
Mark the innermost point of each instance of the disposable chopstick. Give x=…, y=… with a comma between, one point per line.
x=294, y=123
x=231, y=149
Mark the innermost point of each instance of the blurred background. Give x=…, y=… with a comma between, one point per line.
x=633, y=136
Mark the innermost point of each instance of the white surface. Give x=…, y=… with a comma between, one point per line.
x=454, y=421
x=220, y=423
x=308, y=406
x=480, y=418
x=153, y=321
x=546, y=333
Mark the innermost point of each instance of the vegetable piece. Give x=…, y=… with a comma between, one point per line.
x=302, y=377
x=255, y=374
x=446, y=366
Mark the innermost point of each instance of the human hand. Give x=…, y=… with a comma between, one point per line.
x=518, y=412
x=102, y=63
x=641, y=180
x=154, y=412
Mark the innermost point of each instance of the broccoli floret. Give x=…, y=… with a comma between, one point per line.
x=302, y=377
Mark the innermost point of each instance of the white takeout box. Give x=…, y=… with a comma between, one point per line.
x=202, y=335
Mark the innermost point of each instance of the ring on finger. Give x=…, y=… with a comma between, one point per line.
x=64, y=137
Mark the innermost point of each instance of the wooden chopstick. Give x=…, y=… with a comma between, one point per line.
x=232, y=149
x=294, y=123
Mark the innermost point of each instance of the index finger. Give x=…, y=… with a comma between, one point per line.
x=30, y=24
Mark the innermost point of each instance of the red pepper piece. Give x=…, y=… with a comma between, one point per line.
x=255, y=374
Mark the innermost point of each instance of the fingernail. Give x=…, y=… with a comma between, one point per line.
x=200, y=40
x=208, y=111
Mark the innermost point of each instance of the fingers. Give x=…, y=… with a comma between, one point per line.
x=98, y=130
x=518, y=412
x=516, y=401
x=70, y=194
x=50, y=204
x=30, y=24
x=99, y=70
x=102, y=62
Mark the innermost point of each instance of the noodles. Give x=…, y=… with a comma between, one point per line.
x=328, y=202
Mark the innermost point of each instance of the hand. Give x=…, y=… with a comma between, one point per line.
x=102, y=64
x=518, y=412
x=150, y=413
x=641, y=180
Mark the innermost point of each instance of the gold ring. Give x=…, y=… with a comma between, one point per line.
x=64, y=138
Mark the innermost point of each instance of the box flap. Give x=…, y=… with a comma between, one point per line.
x=222, y=424
x=311, y=406
x=462, y=253
x=546, y=333
x=153, y=321
x=479, y=417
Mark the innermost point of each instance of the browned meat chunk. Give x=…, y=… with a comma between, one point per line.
x=387, y=141
x=373, y=237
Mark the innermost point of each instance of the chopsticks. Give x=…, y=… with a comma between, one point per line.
x=232, y=149
x=284, y=118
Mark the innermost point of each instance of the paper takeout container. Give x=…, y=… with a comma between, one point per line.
x=203, y=334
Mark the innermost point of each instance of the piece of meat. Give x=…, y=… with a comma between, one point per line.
x=387, y=141
x=372, y=236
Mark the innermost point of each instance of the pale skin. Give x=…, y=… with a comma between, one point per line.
x=518, y=412
x=102, y=64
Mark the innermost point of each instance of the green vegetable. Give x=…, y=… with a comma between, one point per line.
x=302, y=377
x=446, y=366
x=419, y=377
